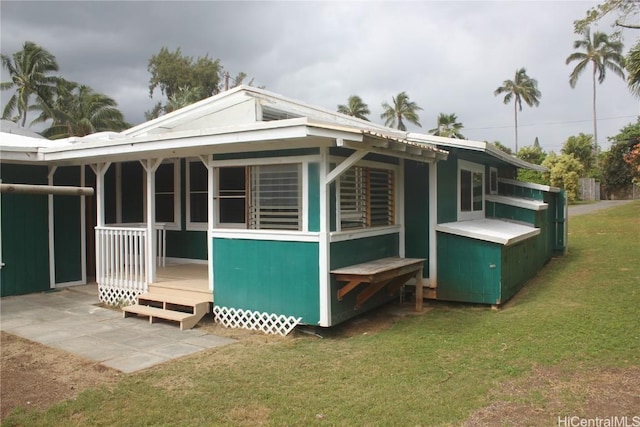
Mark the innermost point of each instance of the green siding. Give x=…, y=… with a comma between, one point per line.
x=187, y=244
x=416, y=211
x=448, y=190
x=132, y=192
x=268, y=276
x=503, y=211
x=355, y=252
x=314, y=196
x=25, y=240
x=264, y=154
x=468, y=269
x=67, y=228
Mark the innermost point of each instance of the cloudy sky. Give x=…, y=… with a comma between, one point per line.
x=448, y=56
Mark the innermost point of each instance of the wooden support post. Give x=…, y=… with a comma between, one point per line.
x=419, y=289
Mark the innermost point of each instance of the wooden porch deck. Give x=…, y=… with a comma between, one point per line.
x=185, y=278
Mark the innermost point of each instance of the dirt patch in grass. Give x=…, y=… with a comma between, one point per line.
x=34, y=376
x=548, y=393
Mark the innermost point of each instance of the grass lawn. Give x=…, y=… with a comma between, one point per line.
x=576, y=324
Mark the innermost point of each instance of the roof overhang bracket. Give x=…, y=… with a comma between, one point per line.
x=345, y=165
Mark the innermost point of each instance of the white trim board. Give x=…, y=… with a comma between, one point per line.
x=534, y=205
x=490, y=230
x=529, y=185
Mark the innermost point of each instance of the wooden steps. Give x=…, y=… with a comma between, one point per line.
x=186, y=307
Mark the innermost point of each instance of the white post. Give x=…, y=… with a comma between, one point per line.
x=100, y=169
x=433, y=221
x=52, y=255
x=83, y=229
x=208, y=162
x=324, y=247
x=150, y=166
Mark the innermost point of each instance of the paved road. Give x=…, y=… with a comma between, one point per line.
x=594, y=207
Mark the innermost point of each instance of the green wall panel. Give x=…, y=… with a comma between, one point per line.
x=25, y=239
x=132, y=192
x=448, y=190
x=264, y=154
x=355, y=252
x=187, y=244
x=314, y=196
x=468, y=269
x=267, y=276
x=67, y=228
x=416, y=211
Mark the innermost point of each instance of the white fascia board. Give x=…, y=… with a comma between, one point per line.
x=534, y=205
x=531, y=185
x=179, y=143
x=490, y=230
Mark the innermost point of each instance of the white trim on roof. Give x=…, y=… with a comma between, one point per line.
x=483, y=147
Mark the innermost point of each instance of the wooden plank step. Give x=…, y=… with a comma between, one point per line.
x=186, y=301
x=158, y=313
x=181, y=291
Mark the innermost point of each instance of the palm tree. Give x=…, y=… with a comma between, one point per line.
x=521, y=88
x=447, y=125
x=632, y=64
x=603, y=53
x=29, y=73
x=77, y=110
x=355, y=107
x=402, y=109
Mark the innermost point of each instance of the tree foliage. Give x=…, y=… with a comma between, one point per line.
x=77, y=110
x=521, y=88
x=582, y=147
x=447, y=125
x=627, y=11
x=500, y=146
x=603, y=53
x=632, y=64
x=401, y=110
x=30, y=71
x=171, y=71
x=355, y=107
x=621, y=165
x=536, y=155
x=564, y=172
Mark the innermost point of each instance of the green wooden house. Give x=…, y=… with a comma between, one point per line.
x=277, y=200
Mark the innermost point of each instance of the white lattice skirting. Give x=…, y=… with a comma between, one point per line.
x=268, y=323
x=118, y=296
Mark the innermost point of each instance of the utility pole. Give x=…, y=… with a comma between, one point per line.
x=226, y=80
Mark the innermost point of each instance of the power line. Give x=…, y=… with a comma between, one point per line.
x=551, y=123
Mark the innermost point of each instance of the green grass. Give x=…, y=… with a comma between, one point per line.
x=579, y=314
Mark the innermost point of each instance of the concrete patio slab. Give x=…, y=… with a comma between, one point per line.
x=71, y=319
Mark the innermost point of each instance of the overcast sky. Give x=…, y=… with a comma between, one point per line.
x=448, y=56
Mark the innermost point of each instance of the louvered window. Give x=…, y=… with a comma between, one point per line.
x=265, y=197
x=366, y=198
x=275, y=197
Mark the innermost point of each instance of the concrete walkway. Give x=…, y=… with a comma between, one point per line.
x=70, y=320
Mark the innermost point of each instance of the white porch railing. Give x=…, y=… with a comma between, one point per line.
x=121, y=270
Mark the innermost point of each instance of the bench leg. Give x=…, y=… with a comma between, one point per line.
x=419, y=289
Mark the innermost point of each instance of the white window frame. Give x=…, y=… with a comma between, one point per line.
x=192, y=226
x=396, y=196
x=225, y=228
x=176, y=224
x=473, y=168
x=493, y=183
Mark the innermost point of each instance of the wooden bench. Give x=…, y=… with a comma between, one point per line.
x=379, y=273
